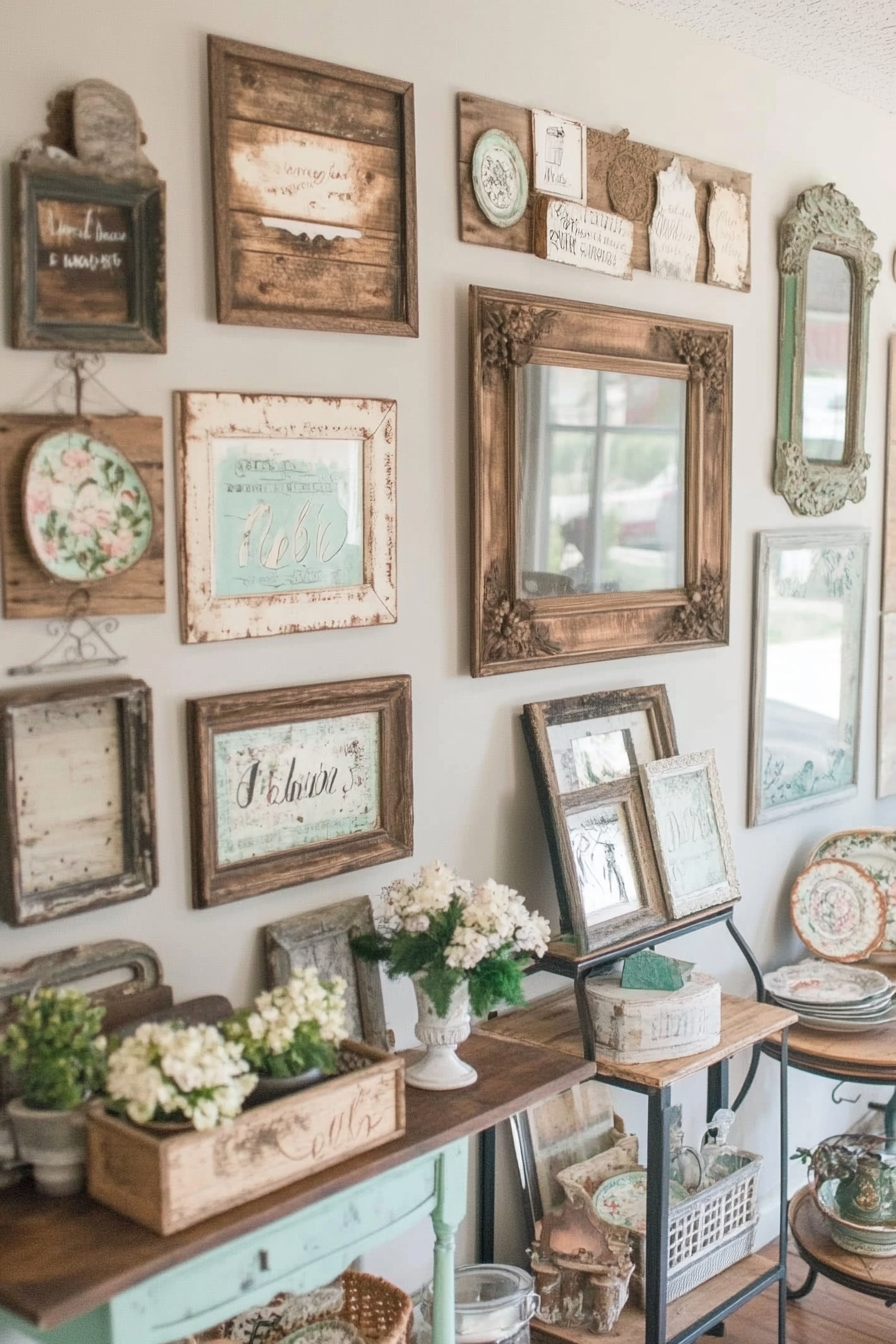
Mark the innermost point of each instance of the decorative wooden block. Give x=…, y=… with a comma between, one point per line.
x=169, y=1183
x=314, y=190
x=29, y=592
x=621, y=181
x=635, y=1026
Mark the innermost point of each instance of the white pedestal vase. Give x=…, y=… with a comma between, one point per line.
x=440, y=1070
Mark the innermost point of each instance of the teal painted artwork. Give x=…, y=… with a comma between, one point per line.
x=686, y=821
x=812, y=662
x=288, y=515
x=87, y=513
x=286, y=785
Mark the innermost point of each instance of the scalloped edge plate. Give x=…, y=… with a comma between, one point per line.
x=814, y=914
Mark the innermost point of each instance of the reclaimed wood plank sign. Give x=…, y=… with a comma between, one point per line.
x=88, y=248
x=314, y=193
x=619, y=182
x=288, y=513
x=82, y=505
x=293, y=785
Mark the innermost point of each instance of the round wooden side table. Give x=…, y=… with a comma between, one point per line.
x=866, y=1274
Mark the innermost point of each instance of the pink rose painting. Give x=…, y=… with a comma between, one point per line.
x=87, y=512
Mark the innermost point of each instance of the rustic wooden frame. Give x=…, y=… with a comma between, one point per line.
x=330, y=100
x=886, y=687
x=29, y=592
x=145, y=333
x=723, y=893
x=808, y=540
x=509, y=330
x=538, y=719
x=653, y=913
x=140, y=873
x=295, y=943
x=389, y=697
x=203, y=417
x=822, y=218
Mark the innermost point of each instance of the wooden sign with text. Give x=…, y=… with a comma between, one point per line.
x=314, y=190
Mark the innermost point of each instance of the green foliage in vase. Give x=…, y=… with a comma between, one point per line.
x=54, y=1047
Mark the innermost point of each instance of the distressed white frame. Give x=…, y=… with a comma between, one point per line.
x=203, y=417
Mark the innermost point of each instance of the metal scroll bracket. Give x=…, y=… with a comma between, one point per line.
x=79, y=641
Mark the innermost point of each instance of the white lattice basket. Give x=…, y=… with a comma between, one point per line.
x=708, y=1232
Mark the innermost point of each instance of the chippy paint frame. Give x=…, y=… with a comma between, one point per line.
x=726, y=889
x=388, y=698
x=201, y=418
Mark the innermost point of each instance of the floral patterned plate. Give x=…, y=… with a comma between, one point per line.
x=87, y=513
x=874, y=850
x=861, y=1024
x=838, y=910
x=815, y=982
x=622, y=1200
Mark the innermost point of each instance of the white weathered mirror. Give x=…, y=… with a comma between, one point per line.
x=829, y=271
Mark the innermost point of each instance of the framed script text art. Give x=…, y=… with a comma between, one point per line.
x=809, y=634
x=322, y=938
x=582, y=741
x=82, y=506
x=690, y=832
x=294, y=785
x=287, y=512
x=601, y=482
x=314, y=193
x=77, y=808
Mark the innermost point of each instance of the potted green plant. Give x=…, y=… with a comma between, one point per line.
x=464, y=947
x=291, y=1033
x=168, y=1076
x=58, y=1058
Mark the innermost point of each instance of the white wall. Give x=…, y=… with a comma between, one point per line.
x=475, y=801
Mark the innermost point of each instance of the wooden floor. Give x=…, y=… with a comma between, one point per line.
x=829, y=1315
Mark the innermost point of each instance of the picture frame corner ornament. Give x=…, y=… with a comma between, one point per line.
x=510, y=630
x=702, y=616
x=707, y=355
x=509, y=335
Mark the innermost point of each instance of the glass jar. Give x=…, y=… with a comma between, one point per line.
x=493, y=1305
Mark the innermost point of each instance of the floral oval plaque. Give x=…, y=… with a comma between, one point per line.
x=500, y=180
x=838, y=910
x=87, y=513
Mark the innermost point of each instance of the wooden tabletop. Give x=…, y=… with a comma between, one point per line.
x=553, y=1022
x=63, y=1257
x=875, y=1275
x=862, y=1057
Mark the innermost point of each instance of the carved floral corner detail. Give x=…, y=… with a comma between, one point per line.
x=706, y=355
x=509, y=628
x=509, y=334
x=702, y=617
x=813, y=491
x=824, y=215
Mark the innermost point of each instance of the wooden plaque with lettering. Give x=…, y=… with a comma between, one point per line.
x=314, y=190
x=88, y=261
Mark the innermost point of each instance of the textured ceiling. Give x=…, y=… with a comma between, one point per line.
x=847, y=44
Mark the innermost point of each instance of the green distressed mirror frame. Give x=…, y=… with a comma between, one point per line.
x=822, y=218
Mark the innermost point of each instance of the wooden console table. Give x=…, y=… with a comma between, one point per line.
x=74, y=1272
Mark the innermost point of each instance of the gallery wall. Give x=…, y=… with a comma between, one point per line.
x=475, y=801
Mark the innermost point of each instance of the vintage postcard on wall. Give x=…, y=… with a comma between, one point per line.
x=560, y=147
x=690, y=832
x=293, y=785
x=288, y=513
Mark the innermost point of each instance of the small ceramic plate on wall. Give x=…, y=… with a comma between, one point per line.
x=500, y=180
x=838, y=910
x=874, y=850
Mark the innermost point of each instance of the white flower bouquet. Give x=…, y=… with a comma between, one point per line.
x=170, y=1073
x=293, y=1028
x=448, y=930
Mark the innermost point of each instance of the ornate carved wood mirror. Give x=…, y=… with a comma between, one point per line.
x=829, y=271
x=601, y=482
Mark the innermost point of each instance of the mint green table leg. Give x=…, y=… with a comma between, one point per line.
x=451, y=1205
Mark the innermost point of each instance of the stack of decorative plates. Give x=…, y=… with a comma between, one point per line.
x=834, y=998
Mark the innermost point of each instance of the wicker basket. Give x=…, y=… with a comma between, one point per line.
x=708, y=1232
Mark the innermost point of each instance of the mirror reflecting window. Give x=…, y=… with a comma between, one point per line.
x=602, y=462
x=826, y=366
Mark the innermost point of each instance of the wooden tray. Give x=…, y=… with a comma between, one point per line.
x=173, y=1181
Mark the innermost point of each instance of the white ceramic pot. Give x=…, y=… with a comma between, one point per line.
x=55, y=1143
x=440, y=1070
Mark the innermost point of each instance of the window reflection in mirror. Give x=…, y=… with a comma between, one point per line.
x=602, y=463
x=828, y=300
